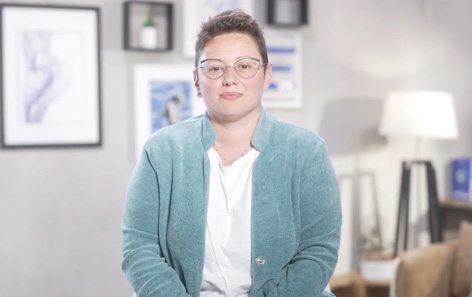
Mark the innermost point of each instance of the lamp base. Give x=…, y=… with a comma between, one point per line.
x=434, y=210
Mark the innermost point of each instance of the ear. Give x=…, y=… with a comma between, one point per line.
x=267, y=77
x=196, y=81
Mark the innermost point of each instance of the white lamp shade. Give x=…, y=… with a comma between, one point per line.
x=419, y=114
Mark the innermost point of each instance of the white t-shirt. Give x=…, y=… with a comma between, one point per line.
x=227, y=268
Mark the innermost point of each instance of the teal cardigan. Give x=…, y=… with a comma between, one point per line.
x=296, y=212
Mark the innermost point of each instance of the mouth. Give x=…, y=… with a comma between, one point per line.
x=230, y=95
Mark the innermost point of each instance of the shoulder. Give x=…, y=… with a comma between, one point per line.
x=297, y=136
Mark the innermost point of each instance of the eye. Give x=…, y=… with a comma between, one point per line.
x=244, y=66
x=215, y=68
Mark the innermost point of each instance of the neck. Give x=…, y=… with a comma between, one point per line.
x=237, y=133
x=234, y=138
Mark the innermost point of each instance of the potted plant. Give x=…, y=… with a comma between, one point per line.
x=149, y=33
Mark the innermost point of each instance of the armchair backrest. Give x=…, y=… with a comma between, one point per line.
x=462, y=270
x=425, y=272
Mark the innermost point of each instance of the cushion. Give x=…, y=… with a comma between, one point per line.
x=463, y=265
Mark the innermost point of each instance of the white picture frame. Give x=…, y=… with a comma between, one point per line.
x=163, y=94
x=197, y=11
x=284, y=49
x=50, y=57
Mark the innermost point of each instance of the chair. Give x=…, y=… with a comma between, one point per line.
x=438, y=270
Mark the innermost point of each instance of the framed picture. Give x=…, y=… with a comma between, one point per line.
x=197, y=11
x=50, y=76
x=164, y=94
x=284, y=48
x=287, y=12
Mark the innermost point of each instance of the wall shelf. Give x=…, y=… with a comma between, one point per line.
x=289, y=13
x=136, y=15
x=454, y=212
x=457, y=204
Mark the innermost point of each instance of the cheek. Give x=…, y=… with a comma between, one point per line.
x=206, y=86
x=257, y=84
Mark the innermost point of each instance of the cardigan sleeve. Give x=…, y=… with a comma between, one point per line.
x=143, y=264
x=310, y=269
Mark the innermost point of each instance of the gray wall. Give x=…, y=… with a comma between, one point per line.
x=61, y=209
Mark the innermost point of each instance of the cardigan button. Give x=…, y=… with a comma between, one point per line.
x=260, y=260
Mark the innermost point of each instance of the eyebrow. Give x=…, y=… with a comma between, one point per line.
x=203, y=61
x=239, y=58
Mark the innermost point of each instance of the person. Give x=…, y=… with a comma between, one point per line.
x=234, y=202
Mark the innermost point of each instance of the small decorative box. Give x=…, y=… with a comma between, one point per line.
x=462, y=179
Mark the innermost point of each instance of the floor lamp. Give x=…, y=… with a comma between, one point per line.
x=349, y=127
x=419, y=115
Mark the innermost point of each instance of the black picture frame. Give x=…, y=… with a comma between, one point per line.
x=288, y=13
x=136, y=13
x=50, y=76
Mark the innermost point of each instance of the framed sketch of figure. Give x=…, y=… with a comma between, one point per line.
x=50, y=57
x=164, y=94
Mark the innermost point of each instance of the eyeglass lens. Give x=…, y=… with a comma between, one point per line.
x=245, y=68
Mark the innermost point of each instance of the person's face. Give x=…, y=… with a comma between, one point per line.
x=232, y=97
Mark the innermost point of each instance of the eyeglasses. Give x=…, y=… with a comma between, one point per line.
x=245, y=68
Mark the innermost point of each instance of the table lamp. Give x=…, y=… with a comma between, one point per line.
x=419, y=114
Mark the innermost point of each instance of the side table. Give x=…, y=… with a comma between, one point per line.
x=377, y=288
x=353, y=285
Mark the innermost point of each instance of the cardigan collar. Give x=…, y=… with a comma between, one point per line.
x=208, y=133
x=259, y=139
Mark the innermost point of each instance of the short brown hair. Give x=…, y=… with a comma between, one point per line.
x=230, y=21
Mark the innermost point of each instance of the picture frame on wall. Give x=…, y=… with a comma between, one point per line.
x=50, y=76
x=291, y=13
x=284, y=49
x=195, y=12
x=164, y=94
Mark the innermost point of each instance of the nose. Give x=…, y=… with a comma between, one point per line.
x=230, y=76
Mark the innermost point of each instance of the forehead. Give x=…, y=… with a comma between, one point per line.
x=231, y=45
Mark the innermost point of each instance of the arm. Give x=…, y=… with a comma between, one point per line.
x=320, y=221
x=143, y=264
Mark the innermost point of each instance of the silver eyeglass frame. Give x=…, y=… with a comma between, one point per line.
x=234, y=67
